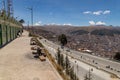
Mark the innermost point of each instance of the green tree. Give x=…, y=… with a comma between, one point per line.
x=63, y=39
x=60, y=59
x=58, y=56
x=72, y=74
x=62, y=63
x=3, y=15
x=67, y=65
x=21, y=21
x=117, y=56
x=88, y=76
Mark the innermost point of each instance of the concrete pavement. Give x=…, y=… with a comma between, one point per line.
x=17, y=62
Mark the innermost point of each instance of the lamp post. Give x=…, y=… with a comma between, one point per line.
x=76, y=67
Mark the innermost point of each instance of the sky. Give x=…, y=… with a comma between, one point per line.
x=69, y=12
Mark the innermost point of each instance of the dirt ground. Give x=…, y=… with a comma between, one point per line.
x=17, y=62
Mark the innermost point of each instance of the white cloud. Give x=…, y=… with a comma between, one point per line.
x=106, y=12
x=68, y=24
x=97, y=23
x=91, y=22
x=52, y=24
x=100, y=12
x=38, y=23
x=100, y=23
x=65, y=24
x=97, y=12
x=87, y=12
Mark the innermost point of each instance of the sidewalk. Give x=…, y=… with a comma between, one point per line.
x=17, y=62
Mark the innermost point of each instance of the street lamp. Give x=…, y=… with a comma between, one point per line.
x=76, y=67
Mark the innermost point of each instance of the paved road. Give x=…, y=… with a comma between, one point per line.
x=100, y=63
x=17, y=62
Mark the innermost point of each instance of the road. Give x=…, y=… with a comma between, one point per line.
x=88, y=60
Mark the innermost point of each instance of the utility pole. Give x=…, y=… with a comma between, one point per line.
x=31, y=9
x=32, y=15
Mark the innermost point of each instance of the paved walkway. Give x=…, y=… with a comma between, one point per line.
x=17, y=62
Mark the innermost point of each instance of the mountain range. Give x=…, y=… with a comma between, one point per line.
x=101, y=40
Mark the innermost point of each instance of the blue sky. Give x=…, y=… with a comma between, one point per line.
x=70, y=12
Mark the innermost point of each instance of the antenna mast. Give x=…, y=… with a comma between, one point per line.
x=10, y=8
